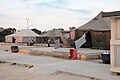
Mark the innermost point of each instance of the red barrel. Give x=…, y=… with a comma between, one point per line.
x=73, y=53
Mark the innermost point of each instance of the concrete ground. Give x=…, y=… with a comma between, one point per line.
x=67, y=50
x=47, y=66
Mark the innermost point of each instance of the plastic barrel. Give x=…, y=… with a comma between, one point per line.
x=73, y=54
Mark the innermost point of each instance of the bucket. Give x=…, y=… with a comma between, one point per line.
x=73, y=53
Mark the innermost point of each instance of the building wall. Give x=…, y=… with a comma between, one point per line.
x=115, y=45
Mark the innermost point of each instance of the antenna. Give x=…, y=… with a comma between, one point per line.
x=27, y=23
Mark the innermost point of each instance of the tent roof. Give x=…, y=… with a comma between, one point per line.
x=112, y=14
x=45, y=34
x=53, y=33
x=98, y=23
x=24, y=32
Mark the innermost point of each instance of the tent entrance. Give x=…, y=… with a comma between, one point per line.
x=13, y=39
x=88, y=43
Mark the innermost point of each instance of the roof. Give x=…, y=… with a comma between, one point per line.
x=111, y=14
x=24, y=32
x=45, y=34
x=68, y=31
x=99, y=23
x=53, y=33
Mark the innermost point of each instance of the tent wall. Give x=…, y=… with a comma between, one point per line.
x=38, y=39
x=8, y=39
x=100, y=39
x=41, y=39
x=52, y=39
x=95, y=39
x=28, y=39
x=20, y=39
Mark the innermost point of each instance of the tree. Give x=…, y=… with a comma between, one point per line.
x=6, y=32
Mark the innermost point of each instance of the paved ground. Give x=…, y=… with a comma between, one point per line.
x=47, y=66
x=14, y=72
x=19, y=71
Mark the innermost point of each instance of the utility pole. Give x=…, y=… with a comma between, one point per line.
x=27, y=23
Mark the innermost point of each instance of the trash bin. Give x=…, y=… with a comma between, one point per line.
x=105, y=58
x=73, y=53
x=14, y=49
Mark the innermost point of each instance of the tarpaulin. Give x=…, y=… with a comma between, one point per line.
x=72, y=35
x=66, y=36
x=57, y=43
x=80, y=41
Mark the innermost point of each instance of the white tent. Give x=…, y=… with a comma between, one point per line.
x=23, y=36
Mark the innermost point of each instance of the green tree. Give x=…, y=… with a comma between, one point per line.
x=6, y=32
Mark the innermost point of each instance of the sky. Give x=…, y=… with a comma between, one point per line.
x=49, y=14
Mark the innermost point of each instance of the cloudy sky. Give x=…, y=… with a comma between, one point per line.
x=49, y=14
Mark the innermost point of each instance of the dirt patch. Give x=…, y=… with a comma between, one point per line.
x=71, y=74
x=24, y=51
x=10, y=71
x=17, y=64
